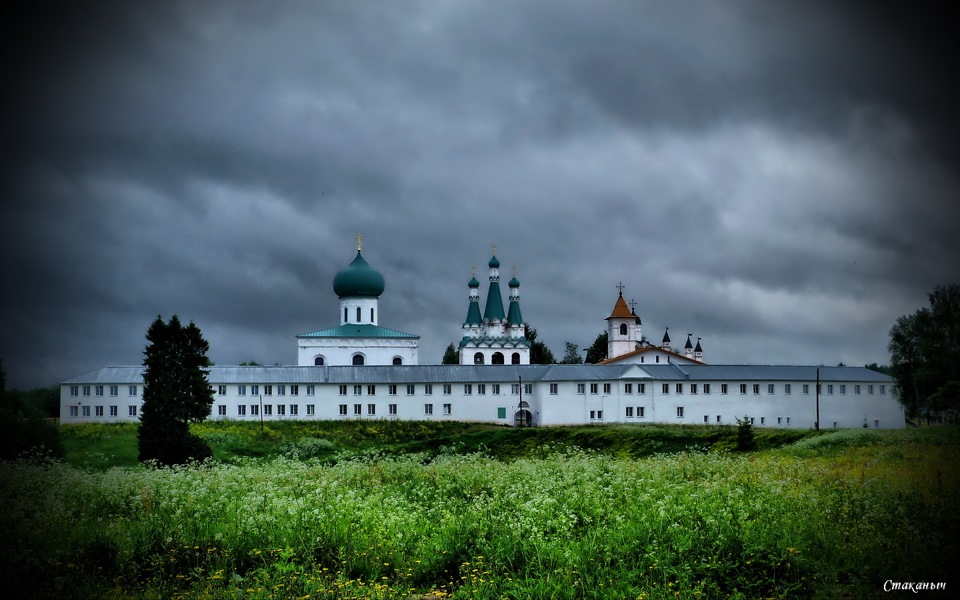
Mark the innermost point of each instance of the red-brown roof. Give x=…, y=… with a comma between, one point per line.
x=621, y=310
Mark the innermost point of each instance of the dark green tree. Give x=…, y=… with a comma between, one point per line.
x=745, y=439
x=450, y=356
x=571, y=355
x=925, y=348
x=175, y=393
x=22, y=430
x=598, y=351
x=539, y=353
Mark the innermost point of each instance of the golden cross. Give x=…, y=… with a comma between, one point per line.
x=493, y=249
x=473, y=271
x=514, y=270
x=359, y=239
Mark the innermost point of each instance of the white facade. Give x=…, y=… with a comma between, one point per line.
x=772, y=396
x=373, y=350
x=496, y=337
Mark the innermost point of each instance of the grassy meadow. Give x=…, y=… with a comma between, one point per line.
x=456, y=510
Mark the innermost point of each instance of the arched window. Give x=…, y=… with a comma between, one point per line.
x=318, y=361
x=478, y=358
x=623, y=329
x=515, y=359
x=358, y=314
x=358, y=360
x=397, y=360
x=497, y=358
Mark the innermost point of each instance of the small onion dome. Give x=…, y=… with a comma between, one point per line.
x=494, y=263
x=358, y=279
x=514, y=283
x=474, y=283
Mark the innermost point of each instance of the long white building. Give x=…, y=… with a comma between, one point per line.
x=772, y=396
x=360, y=370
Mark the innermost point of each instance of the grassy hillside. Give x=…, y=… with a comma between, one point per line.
x=102, y=446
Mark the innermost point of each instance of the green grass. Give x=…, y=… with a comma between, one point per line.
x=827, y=516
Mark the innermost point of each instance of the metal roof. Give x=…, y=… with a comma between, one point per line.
x=496, y=373
x=358, y=331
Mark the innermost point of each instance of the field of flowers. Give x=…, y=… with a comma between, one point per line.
x=835, y=515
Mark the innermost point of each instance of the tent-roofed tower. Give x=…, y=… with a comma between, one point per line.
x=623, y=328
x=495, y=338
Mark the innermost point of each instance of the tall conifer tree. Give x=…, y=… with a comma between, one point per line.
x=175, y=393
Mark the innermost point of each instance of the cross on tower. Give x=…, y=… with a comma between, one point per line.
x=493, y=249
x=620, y=287
x=633, y=306
x=359, y=239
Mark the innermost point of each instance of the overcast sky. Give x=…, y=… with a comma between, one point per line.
x=778, y=178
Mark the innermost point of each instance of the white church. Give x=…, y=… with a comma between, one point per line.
x=361, y=370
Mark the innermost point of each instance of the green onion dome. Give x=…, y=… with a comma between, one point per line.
x=358, y=279
x=494, y=263
x=514, y=283
x=474, y=283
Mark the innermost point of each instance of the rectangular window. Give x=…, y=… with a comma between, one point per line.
x=693, y=388
x=86, y=390
x=343, y=390
x=99, y=390
x=343, y=409
x=371, y=409
x=392, y=409
x=221, y=390
x=357, y=409
x=428, y=389
x=496, y=389
x=528, y=388
x=447, y=389
x=254, y=410
x=241, y=390
x=74, y=411
x=114, y=390
x=294, y=410
x=132, y=390
x=411, y=389
x=665, y=388
x=786, y=388
x=600, y=415
x=883, y=390
x=706, y=388
x=481, y=389
x=447, y=409
x=98, y=411
x=85, y=411
x=581, y=388
x=606, y=388
x=74, y=390
x=723, y=388
x=806, y=388
x=743, y=388
x=515, y=389
x=718, y=418
x=856, y=389
x=593, y=388
x=281, y=410
x=357, y=390
x=641, y=411
x=779, y=420
x=756, y=388
x=501, y=412
x=467, y=389
x=770, y=388
x=788, y=420
x=281, y=390
x=829, y=388
x=254, y=390
x=629, y=412
x=763, y=420
x=311, y=389
x=242, y=410
x=627, y=388
x=113, y=410
x=643, y=388
x=553, y=389
x=221, y=410
x=312, y=409
x=392, y=389
x=294, y=390
x=428, y=409
x=843, y=388
x=679, y=411
x=679, y=388
x=132, y=410
x=876, y=423
x=706, y=419
x=371, y=390
x=870, y=389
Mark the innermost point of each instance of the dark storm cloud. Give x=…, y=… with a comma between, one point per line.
x=778, y=178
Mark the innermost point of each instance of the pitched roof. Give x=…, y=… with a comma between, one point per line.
x=639, y=351
x=358, y=331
